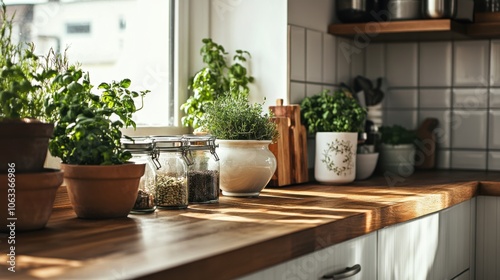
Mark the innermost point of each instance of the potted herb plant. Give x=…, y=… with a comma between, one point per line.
x=214, y=80
x=101, y=184
x=397, y=150
x=28, y=188
x=24, y=134
x=335, y=119
x=243, y=133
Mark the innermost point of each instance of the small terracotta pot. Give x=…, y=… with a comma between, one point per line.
x=25, y=143
x=102, y=191
x=34, y=199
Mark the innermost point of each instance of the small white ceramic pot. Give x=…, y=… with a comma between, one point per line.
x=365, y=165
x=397, y=159
x=335, y=157
x=246, y=166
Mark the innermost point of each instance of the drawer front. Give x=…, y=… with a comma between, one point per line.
x=333, y=259
x=437, y=246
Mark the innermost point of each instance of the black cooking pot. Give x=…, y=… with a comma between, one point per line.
x=349, y=11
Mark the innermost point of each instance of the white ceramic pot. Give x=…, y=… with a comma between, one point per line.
x=335, y=157
x=365, y=165
x=246, y=166
x=397, y=159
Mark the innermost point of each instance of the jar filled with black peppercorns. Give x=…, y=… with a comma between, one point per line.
x=143, y=151
x=171, y=177
x=203, y=173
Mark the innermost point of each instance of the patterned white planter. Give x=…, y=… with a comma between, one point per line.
x=335, y=157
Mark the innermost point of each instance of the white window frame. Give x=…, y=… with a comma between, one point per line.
x=179, y=91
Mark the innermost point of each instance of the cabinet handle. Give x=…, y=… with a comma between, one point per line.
x=346, y=273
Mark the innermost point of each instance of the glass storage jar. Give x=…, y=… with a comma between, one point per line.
x=203, y=173
x=171, y=176
x=143, y=151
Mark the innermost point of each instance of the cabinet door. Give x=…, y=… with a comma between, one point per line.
x=488, y=238
x=334, y=259
x=436, y=246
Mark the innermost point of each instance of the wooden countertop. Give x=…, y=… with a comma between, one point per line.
x=238, y=235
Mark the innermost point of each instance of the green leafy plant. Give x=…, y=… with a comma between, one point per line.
x=87, y=125
x=337, y=112
x=214, y=80
x=397, y=135
x=24, y=77
x=232, y=117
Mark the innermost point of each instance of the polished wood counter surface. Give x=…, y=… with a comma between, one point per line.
x=236, y=236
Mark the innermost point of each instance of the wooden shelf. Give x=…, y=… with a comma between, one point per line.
x=401, y=30
x=486, y=25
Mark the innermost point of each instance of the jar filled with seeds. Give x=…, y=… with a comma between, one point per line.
x=143, y=151
x=171, y=177
x=203, y=173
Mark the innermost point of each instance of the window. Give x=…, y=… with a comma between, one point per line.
x=111, y=39
x=77, y=28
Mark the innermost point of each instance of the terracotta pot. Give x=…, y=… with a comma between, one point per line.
x=34, y=199
x=25, y=143
x=102, y=191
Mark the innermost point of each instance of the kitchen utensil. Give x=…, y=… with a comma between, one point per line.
x=404, y=9
x=378, y=94
x=439, y=8
x=426, y=144
x=373, y=96
x=349, y=11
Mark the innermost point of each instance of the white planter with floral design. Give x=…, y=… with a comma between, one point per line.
x=335, y=158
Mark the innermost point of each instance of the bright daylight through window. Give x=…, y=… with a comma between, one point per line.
x=112, y=40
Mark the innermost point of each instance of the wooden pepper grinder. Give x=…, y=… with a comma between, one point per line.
x=425, y=157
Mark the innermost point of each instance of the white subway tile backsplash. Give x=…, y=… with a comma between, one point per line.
x=314, y=56
x=344, y=53
x=329, y=59
x=297, y=92
x=494, y=129
x=471, y=60
x=468, y=129
x=313, y=89
x=330, y=88
x=442, y=132
x=443, y=159
x=435, y=98
x=401, y=98
x=495, y=98
x=494, y=161
x=402, y=64
x=375, y=61
x=495, y=63
x=435, y=64
x=358, y=64
x=405, y=118
x=297, y=53
x=468, y=160
x=470, y=99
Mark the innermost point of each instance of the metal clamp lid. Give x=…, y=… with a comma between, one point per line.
x=203, y=142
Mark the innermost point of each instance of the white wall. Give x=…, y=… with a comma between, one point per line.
x=259, y=27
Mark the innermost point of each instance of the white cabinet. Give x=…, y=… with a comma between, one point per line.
x=436, y=246
x=358, y=251
x=488, y=238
